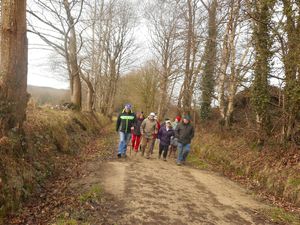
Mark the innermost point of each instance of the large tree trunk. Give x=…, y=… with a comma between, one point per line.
x=260, y=86
x=208, y=82
x=13, y=64
x=291, y=65
x=76, y=94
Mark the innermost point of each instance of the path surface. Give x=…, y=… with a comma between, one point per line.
x=104, y=190
x=158, y=192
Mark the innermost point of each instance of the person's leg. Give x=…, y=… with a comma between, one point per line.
x=137, y=143
x=148, y=150
x=152, y=145
x=144, y=145
x=170, y=151
x=186, y=150
x=166, y=148
x=127, y=139
x=160, y=150
x=180, y=153
x=133, y=140
x=121, y=144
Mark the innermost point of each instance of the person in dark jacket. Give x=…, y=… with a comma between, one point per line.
x=124, y=126
x=184, y=132
x=136, y=134
x=164, y=135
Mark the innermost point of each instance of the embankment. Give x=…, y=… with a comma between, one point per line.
x=52, y=139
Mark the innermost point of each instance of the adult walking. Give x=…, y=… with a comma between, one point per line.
x=124, y=126
x=184, y=133
x=149, y=128
x=152, y=145
x=164, y=135
x=174, y=140
x=136, y=134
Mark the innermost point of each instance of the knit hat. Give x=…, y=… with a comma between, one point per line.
x=128, y=106
x=178, y=118
x=187, y=117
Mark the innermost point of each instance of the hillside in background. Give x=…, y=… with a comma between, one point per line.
x=47, y=95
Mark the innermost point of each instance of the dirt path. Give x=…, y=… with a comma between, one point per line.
x=140, y=191
x=158, y=192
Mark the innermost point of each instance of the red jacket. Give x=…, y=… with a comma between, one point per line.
x=158, y=128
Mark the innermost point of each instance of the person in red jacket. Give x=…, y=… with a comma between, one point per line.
x=136, y=133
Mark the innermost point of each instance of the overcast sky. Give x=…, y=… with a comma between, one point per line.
x=40, y=72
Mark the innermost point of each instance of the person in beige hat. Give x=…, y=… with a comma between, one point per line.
x=148, y=129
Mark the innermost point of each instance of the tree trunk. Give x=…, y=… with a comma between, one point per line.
x=13, y=64
x=208, y=77
x=260, y=86
x=76, y=94
x=291, y=66
x=163, y=103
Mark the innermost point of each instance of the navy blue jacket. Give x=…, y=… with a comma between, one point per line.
x=165, y=136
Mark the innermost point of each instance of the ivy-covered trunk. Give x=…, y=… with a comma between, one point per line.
x=260, y=87
x=208, y=82
x=13, y=65
x=291, y=59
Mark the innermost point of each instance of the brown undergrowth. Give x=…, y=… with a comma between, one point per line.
x=52, y=140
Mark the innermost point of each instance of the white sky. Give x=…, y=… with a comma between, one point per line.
x=39, y=62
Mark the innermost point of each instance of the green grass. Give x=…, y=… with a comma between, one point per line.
x=281, y=216
x=95, y=193
x=294, y=182
x=196, y=162
x=66, y=222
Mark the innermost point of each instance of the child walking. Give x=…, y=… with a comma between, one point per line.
x=136, y=133
x=164, y=135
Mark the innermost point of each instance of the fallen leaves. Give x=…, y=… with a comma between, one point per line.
x=57, y=199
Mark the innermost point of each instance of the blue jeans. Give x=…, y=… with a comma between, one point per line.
x=183, y=151
x=124, y=139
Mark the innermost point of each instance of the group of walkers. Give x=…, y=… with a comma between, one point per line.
x=143, y=133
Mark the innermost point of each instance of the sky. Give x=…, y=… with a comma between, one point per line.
x=40, y=57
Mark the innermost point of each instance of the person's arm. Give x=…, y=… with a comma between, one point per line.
x=156, y=128
x=159, y=133
x=177, y=131
x=192, y=133
x=173, y=134
x=143, y=127
x=133, y=123
x=118, y=122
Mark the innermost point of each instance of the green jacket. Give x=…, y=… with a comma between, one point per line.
x=125, y=121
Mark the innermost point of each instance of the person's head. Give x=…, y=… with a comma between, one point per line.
x=151, y=116
x=168, y=124
x=127, y=108
x=178, y=119
x=141, y=115
x=186, y=119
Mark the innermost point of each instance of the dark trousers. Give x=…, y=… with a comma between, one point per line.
x=163, y=149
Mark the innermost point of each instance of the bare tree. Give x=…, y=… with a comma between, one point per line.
x=114, y=49
x=13, y=64
x=55, y=23
x=235, y=59
x=164, y=20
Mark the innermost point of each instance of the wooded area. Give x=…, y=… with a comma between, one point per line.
x=229, y=68
x=204, y=54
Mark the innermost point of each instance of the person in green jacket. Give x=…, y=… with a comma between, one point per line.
x=125, y=124
x=184, y=132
